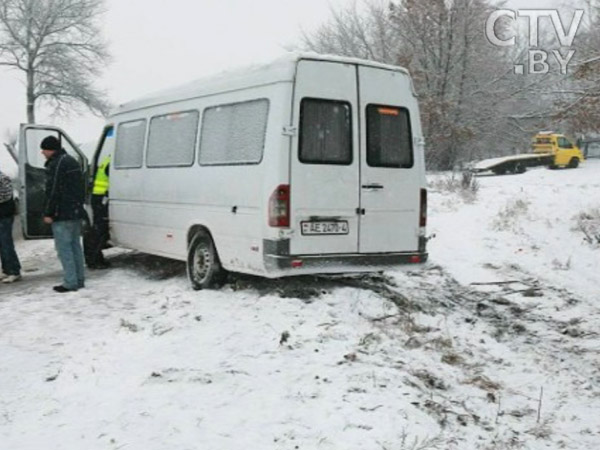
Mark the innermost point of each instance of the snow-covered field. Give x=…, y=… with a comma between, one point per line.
x=493, y=344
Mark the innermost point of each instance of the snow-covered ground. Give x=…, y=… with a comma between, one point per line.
x=493, y=344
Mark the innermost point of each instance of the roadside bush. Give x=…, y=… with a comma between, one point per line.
x=508, y=216
x=588, y=223
x=465, y=185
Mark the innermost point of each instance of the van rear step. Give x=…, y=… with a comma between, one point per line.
x=342, y=263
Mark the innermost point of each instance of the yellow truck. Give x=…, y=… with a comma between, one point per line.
x=549, y=149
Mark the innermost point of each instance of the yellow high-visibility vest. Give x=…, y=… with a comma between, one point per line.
x=101, y=179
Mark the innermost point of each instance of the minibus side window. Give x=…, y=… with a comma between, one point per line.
x=389, y=137
x=129, y=149
x=172, y=139
x=234, y=133
x=325, y=132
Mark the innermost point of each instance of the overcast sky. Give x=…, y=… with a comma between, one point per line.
x=159, y=43
x=156, y=44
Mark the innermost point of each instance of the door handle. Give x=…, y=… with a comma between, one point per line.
x=372, y=186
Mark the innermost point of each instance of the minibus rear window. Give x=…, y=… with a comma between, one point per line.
x=325, y=132
x=389, y=137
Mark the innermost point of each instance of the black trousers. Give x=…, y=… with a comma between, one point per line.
x=97, y=235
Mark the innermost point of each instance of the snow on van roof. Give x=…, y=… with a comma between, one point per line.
x=281, y=69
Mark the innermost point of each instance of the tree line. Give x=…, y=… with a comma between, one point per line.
x=473, y=101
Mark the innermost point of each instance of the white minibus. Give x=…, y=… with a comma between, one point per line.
x=310, y=164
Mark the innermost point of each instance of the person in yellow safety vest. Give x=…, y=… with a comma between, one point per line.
x=99, y=233
x=101, y=178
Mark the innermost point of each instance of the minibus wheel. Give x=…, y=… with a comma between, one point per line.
x=203, y=266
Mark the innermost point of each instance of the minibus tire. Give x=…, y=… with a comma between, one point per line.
x=573, y=163
x=203, y=265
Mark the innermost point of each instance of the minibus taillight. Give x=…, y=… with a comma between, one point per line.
x=423, y=209
x=279, y=206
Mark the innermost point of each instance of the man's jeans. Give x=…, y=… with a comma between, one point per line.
x=10, y=260
x=67, y=240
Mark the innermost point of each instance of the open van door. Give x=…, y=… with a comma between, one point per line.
x=32, y=175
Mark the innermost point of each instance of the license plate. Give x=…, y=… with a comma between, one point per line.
x=324, y=227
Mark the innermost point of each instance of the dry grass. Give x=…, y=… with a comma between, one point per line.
x=588, y=223
x=465, y=184
x=428, y=443
x=484, y=383
x=508, y=216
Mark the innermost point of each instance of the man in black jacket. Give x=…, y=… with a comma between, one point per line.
x=65, y=192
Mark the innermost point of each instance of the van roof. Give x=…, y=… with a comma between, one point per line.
x=281, y=69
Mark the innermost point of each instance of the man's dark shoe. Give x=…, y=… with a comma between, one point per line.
x=62, y=289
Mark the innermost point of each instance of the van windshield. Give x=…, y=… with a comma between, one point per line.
x=564, y=143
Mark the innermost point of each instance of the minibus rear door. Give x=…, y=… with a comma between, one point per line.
x=324, y=160
x=389, y=166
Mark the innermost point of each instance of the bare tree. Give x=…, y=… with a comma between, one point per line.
x=578, y=105
x=10, y=143
x=57, y=45
x=362, y=33
x=10, y=136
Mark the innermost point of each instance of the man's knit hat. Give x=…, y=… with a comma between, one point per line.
x=50, y=143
